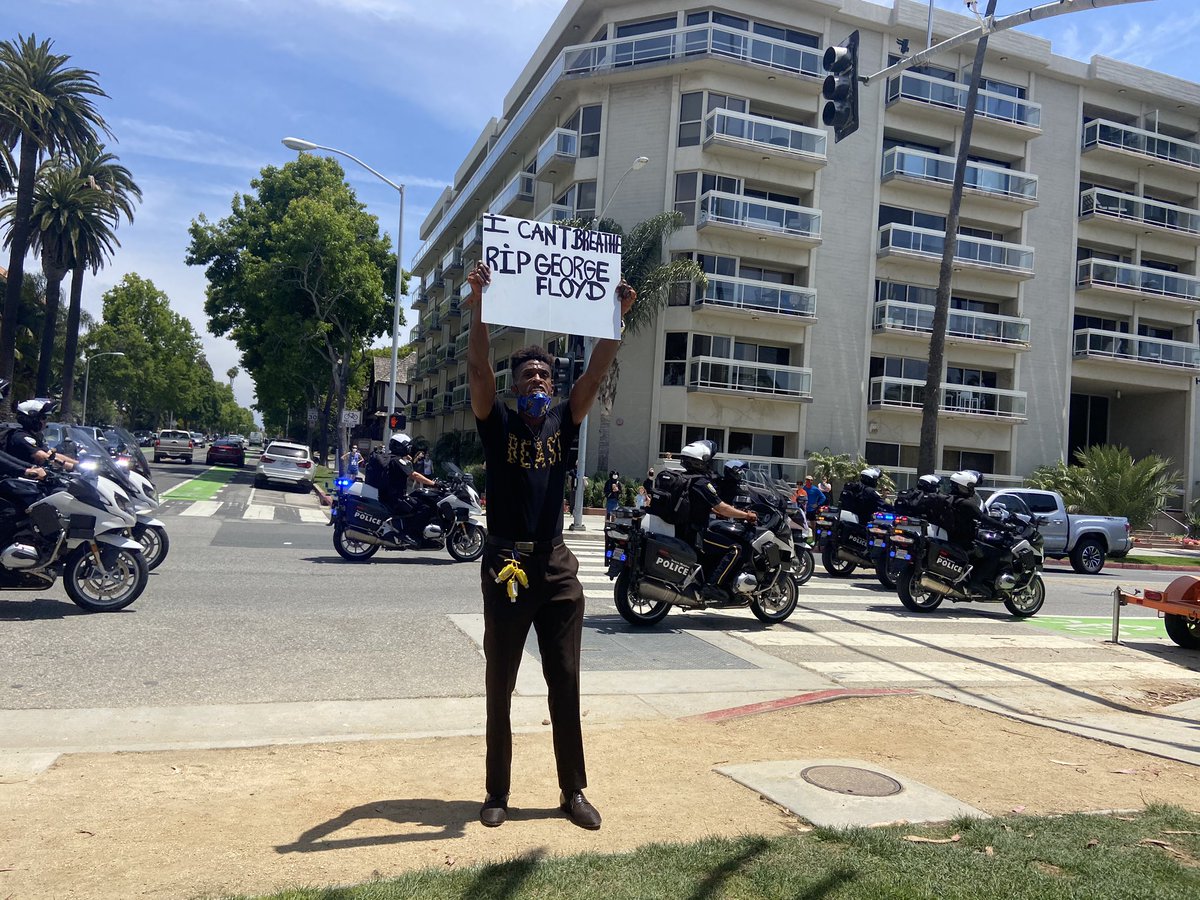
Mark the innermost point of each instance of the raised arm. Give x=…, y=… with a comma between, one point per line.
x=480, y=377
x=585, y=389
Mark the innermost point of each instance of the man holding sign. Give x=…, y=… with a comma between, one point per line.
x=528, y=574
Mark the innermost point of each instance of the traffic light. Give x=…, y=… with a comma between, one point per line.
x=564, y=375
x=396, y=422
x=841, y=87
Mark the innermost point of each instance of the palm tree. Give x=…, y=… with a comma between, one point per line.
x=8, y=172
x=67, y=214
x=232, y=373
x=45, y=106
x=643, y=267
x=100, y=170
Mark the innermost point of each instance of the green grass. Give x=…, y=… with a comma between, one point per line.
x=1077, y=856
x=1161, y=560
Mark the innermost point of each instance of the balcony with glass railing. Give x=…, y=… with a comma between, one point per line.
x=503, y=380
x=939, y=93
x=448, y=307
x=896, y=315
x=759, y=135
x=1138, y=212
x=460, y=396
x=908, y=393
x=452, y=261
x=558, y=152
x=748, y=297
x=720, y=374
x=995, y=181
x=1103, y=135
x=435, y=283
x=514, y=197
x=926, y=243
x=1102, y=274
x=460, y=344
x=1093, y=342
x=420, y=297
x=685, y=44
x=736, y=213
x=472, y=239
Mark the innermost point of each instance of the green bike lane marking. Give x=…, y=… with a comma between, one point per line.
x=203, y=487
x=1101, y=626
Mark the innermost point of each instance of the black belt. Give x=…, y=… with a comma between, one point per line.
x=524, y=546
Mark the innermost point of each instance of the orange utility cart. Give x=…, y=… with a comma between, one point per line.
x=1179, y=603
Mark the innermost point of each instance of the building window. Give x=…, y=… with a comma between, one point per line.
x=585, y=122
x=695, y=105
x=685, y=196
x=957, y=460
x=970, y=377
x=931, y=71
x=700, y=433
x=899, y=367
x=1087, y=422
x=675, y=358
x=649, y=26
x=756, y=443
x=880, y=454
x=889, y=215
x=1099, y=323
x=992, y=86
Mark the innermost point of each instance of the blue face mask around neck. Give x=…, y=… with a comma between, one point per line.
x=536, y=404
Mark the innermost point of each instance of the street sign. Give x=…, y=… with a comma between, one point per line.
x=312, y=415
x=351, y=418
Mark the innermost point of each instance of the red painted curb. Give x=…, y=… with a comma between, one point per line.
x=735, y=712
x=1109, y=564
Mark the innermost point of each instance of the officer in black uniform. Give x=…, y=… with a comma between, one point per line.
x=399, y=472
x=26, y=442
x=722, y=552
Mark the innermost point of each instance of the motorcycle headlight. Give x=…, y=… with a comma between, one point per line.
x=123, y=504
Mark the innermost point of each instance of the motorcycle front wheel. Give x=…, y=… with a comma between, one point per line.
x=634, y=609
x=776, y=604
x=914, y=595
x=839, y=568
x=155, y=544
x=350, y=549
x=888, y=572
x=804, y=566
x=1029, y=599
x=465, y=541
x=96, y=590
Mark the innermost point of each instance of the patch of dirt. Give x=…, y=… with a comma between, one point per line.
x=1154, y=696
x=183, y=823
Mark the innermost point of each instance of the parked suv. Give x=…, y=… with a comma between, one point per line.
x=286, y=463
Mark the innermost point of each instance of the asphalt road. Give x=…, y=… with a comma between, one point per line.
x=248, y=610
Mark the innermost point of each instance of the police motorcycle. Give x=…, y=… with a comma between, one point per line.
x=802, y=569
x=655, y=570
x=1005, y=566
x=445, y=515
x=73, y=525
x=80, y=444
x=847, y=542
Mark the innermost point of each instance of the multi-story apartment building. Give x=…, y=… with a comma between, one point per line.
x=1076, y=295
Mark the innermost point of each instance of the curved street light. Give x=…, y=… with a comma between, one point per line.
x=87, y=373
x=588, y=344
x=299, y=144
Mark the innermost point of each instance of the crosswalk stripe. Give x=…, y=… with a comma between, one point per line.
x=921, y=641
x=318, y=516
x=202, y=508
x=259, y=511
x=1108, y=672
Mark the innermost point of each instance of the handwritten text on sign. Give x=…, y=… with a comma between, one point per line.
x=552, y=278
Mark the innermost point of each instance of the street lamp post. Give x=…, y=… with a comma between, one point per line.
x=87, y=373
x=588, y=344
x=293, y=143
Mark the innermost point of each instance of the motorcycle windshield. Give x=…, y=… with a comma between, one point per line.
x=122, y=443
x=80, y=444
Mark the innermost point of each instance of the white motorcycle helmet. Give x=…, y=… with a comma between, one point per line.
x=928, y=484
x=399, y=444
x=696, y=456
x=962, y=484
x=869, y=477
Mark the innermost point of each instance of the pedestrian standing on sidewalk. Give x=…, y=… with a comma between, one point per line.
x=353, y=461
x=529, y=577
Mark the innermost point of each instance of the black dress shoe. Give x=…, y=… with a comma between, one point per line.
x=494, y=811
x=578, y=810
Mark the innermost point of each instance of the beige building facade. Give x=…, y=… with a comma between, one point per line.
x=1076, y=291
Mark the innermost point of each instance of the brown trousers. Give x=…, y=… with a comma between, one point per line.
x=553, y=604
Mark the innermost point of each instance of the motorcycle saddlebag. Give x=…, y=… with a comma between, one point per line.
x=366, y=517
x=668, y=559
x=947, y=562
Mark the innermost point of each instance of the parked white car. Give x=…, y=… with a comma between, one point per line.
x=285, y=463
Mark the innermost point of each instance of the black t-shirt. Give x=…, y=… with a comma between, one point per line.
x=526, y=471
x=23, y=444
x=702, y=497
x=395, y=482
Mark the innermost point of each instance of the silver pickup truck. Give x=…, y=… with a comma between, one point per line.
x=1086, y=540
x=171, y=444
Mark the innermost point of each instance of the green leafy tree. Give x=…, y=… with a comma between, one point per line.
x=45, y=106
x=839, y=468
x=644, y=266
x=298, y=266
x=156, y=381
x=101, y=171
x=1108, y=481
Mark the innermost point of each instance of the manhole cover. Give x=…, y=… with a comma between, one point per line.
x=849, y=780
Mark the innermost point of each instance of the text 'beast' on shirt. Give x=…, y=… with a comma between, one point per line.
x=526, y=471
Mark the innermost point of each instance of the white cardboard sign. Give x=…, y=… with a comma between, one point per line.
x=552, y=278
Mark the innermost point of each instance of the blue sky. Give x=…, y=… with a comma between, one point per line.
x=202, y=92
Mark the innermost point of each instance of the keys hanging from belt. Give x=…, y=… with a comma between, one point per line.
x=514, y=577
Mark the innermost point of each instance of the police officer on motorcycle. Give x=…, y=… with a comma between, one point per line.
x=862, y=497
x=722, y=552
x=966, y=517
x=26, y=442
x=399, y=472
